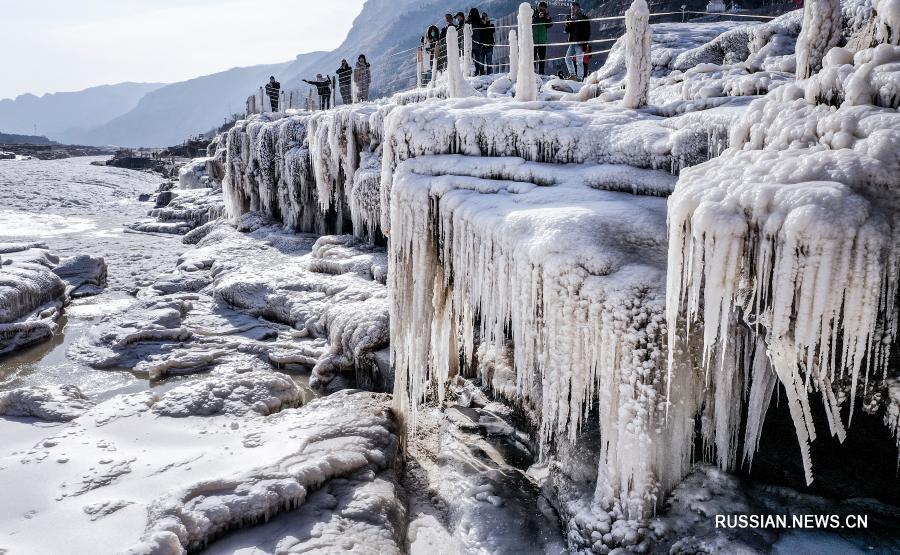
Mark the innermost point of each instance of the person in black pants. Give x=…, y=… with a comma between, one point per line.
x=540, y=26
x=323, y=87
x=345, y=81
x=273, y=91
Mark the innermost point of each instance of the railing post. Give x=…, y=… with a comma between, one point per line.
x=637, y=55
x=454, y=72
x=526, y=89
x=262, y=100
x=513, y=55
x=420, y=60
x=467, y=49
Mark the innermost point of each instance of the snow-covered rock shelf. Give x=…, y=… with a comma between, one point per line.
x=35, y=286
x=170, y=473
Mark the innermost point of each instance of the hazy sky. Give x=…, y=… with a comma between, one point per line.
x=67, y=45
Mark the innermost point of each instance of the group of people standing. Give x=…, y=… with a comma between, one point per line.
x=347, y=77
x=483, y=40
x=577, y=29
x=578, y=32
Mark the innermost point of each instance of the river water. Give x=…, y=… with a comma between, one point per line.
x=75, y=207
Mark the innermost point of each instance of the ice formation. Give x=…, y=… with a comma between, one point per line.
x=526, y=91
x=820, y=32
x=513, y=55
x=566, y=267
x=637, y=54
x=786, y=248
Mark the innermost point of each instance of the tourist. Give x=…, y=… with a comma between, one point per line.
x=579, y=31
x=488, y=33
x=540, y=25
x=474, y=20
x=273, y=91
x=323, y=87
x=460, y=25
x=345, y=82
x=432, y=46
x=363, y=78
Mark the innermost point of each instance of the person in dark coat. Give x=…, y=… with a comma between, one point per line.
x=579, y=31
x=345, y=82
x=540, y=27
x=474, y=20
x=273, y=91
x=488, y=31
x=460, y=23
x=323, y=87
x=362, y=76
x=432, y=47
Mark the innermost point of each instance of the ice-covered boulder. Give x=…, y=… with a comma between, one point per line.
x=50, y=403
x=35, y=285
x=258, y=391
x=195, y=174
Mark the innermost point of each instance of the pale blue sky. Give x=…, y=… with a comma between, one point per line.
x=67, y=45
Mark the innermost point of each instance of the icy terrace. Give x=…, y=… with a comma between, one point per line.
x=529, y=243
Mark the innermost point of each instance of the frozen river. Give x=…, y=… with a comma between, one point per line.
x=75, y=207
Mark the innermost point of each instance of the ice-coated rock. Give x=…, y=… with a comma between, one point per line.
x=58, y=403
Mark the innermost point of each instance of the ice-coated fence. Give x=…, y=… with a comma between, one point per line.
x=432, y=57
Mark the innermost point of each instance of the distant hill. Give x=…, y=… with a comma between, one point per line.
x=59, y=115
x=13, y=139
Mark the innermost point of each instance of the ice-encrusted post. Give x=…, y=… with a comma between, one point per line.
x=513, y=55
x=262, y=101
x=821, y=30
x=526, y=90
x=467, y=49
x=420, y=67
x=637, y=55
x=434, y=68
x=454, y=72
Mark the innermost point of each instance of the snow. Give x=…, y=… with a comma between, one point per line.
x=148, y=482
x=637, y=54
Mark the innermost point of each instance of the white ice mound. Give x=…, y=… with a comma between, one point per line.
x=51, y=403
x=259, y=391
x=496, y=249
